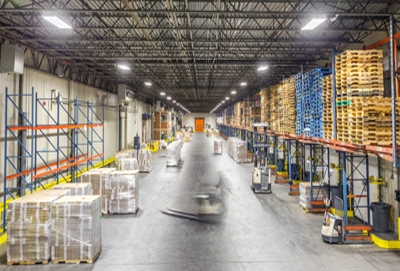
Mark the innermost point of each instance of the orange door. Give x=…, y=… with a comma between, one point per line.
x=199, y=125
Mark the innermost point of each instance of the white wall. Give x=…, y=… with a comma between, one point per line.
x=188, y=119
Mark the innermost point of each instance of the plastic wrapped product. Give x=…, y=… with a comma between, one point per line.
x=128, y=164
x=76, y=228
x=217, y=146
x=173, y=153
x=76, y=189
x=145, y=161
x=131, y=153
x=122, y=191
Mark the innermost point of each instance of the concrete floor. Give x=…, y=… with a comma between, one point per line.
x=263, y=232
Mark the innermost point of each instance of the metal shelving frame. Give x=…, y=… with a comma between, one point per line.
x=84, y=123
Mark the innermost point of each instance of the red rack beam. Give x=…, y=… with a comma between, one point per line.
x=66, y=166
x=26, y=172
x=51, y=127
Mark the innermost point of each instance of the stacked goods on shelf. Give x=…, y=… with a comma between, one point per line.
x=359, y=73
x=76, y=189
x=98, y=178
x=256, y=112
x=316, y=129
x=289, y=106
x=281, y=107
x=299, y=104
x=274, y=108
x=307, y=104
x=265, y=105
x=187, y=136
x=370, y=120
x=217, y=146
x=145, y=160
x=247, y=113
x=237, y=149
x=173, y=153
x=327, y=115
x=237, y=114
x=319, y=193
x=76, y=229
x=29, y=227
x=122, y=192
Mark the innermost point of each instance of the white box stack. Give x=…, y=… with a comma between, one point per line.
x=217, y=146
x=173, y=153
x=319, y=193
x=145, y=161
x=237, y=149
x=128, y=164
x=29, y=227
x=76, y=229
x=76, y=189
x=131, y=153
x=122, y=192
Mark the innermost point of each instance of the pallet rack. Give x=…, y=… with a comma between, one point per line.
x=83, y=131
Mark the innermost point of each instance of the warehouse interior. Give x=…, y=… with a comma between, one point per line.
x=200, y=135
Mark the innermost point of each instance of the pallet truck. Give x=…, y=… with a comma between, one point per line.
x=209, y=199
x=332, y=226
x=261, y=174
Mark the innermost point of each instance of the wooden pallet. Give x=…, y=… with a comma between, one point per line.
x=28, y=262
x=78, y=261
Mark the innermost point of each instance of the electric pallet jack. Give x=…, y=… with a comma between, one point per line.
x=261, y=171
x=209, y=199
x=332, y=226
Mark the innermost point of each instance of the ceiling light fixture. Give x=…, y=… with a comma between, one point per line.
x=168, y=98
x=226, y=98
x=262, y=68
x=313, y=23
x=124, y=67
x=148, y=83
x=223, y=102
x=243, y=84
x=162, y=93
x=233, y=92
x=57, y=22
x=174, y=101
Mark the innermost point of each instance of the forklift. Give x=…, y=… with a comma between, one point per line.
x=261, y=174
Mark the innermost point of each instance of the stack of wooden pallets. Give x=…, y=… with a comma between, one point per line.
x=281, y=107
x=327, y=115
x=274, y=108
x=265, y=105
x=370, y=120
x=289, y=106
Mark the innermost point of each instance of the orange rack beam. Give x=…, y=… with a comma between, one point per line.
x=66, y=166
x=26, y=172
x=50, y=127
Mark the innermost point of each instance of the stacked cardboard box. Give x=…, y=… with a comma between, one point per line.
x=98, y=178
x=76, y=228
x=131, y=153
x=319, y=193
x=122, y=191
x=29, y=227
x=128, y=164
x=237, y=149
x=76, y=189
x=173, y=153
x=217, y=146
x=209, y=133
x=187, y=136
x=145, y=161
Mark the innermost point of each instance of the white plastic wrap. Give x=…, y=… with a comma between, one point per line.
x=122, y=191
x=218, y=146
x=128, y=164
x=173, y=153
x=187, y=136
x=76, y=228
x=319, y=193
x=145, y=161
x=29, y=226
x=131, y=153
x=76, y=189
x=98, y=177
x=237, y=149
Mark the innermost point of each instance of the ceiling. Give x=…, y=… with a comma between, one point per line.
x=195, y=51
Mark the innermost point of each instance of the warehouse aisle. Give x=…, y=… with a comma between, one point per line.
x=263, y=232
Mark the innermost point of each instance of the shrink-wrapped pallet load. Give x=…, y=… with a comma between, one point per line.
x=76, y=189
x=97, y=178
x=237, y=149
x=173, y=153
x=29, y=227
x=319, y=193
x=76, y=229
x=122, y=191
x=128, y=164
x=145, y=161
x=217, y=146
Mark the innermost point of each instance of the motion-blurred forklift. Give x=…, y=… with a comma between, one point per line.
x=261, y=174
